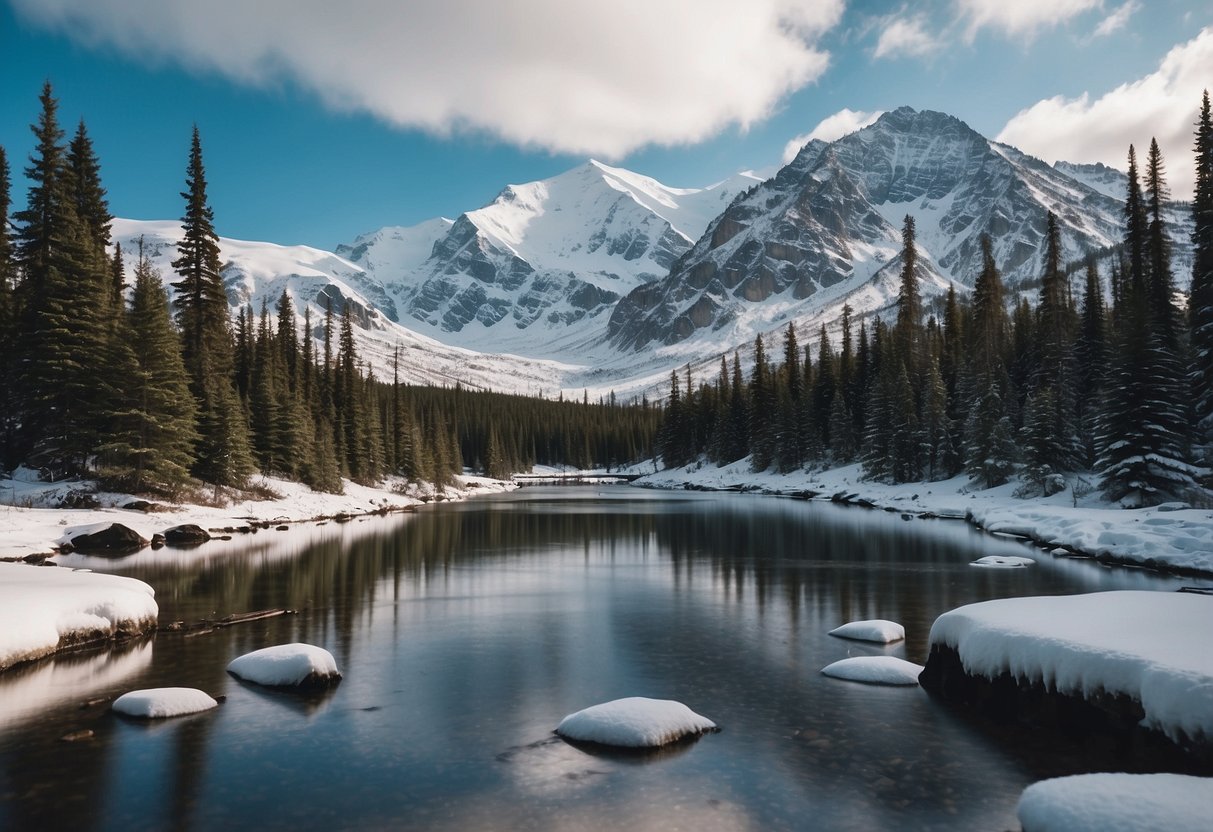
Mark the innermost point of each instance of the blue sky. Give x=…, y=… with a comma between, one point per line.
x=317, y=128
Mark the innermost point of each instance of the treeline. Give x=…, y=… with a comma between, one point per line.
x=1071, y=384
x=102, y=379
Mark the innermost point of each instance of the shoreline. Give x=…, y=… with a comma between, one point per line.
x=37, y=520
x=1172, y=539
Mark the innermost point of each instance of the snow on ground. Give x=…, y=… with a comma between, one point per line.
x=159, y=703
x=1168, y=536
x=40, y=607
x=876, y=629
x=875, y=670
x=1151, y=646
x=1002, y=562
x=1117, y=803
x=31, y=524
x=634, y=722
x=286, y=665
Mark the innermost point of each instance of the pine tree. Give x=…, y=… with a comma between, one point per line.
x=1141, y=441
x=223, y=455
x=1160, y=283
x=152, y=444
x=8, y=323
x=990, y=451
x=1201, y=299
x=63, y=332
x=941, y=458
x=762, y=411
x=1091, y=358
x=909, y=303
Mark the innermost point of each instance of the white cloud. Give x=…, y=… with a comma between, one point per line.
x=1021, y=18
x=831, y=128
x=1117, y=19
x=1162, y=105
x=579, y=77
x=905, y=36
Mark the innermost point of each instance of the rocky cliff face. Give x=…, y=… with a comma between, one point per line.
x=828, y=227
x=539, y=259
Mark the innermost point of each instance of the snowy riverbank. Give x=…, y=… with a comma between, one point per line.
x=35, y=521
x=1168, y=537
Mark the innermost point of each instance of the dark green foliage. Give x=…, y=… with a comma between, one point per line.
x=763, y=412
x=1201, y=303
x=8, y=324
x=152, y=440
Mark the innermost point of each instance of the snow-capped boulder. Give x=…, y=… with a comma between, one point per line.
x=875, y=629
x=160, y=703
x=875, y=670
x=287, y=665
x=634, y=722
x=1002, y=562
x=1117, y=803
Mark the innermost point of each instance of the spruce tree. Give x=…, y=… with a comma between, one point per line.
x=1142, y=449
x=909, y=303
x=941, y=458
x=63, y=332
x=1201, y=299
x=152, y=445
x=8, y=323
x=1091, y=358
x=762, y=411
x=223, y=455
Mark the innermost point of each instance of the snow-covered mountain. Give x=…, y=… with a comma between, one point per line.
x=827, y=229
x=539, y=269
x=256, y=273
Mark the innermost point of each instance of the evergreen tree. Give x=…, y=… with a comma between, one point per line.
x=152, y=444
x=1091, y=358
x=990, y=450
x=63, y=331
x=1160, y=284
x=762, y=411
x=1141, y=441
x=823, y=390
x=1201, y=299
x=941, y=458
x=223, y=455
x=909, y=303
x=8, y=323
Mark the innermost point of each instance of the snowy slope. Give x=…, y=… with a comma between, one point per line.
x=827, y=229
x=256, y=272
x=538, y=270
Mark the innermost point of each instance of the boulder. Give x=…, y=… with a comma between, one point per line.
x=113, y=539
x=187, y=534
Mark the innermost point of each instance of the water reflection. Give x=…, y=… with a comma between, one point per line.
x=465, y=632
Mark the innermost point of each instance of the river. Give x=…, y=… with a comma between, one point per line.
x=466, y=631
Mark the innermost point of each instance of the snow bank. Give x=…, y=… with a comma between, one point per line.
x=1002, y=562
x=158, y=703
x=876, y=629
x=287, y=665
x=1151, y=646
x=634, y=722
x=43, y=608
x=1168, y=536
x=1117, y=803
x=875, y=670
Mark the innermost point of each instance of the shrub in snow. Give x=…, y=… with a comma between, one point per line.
x=287, y=665
x=158, y=703
x=876, y=629
x=1002, y=562
x=1117, y=803
x=634, y=722
x=875, y=670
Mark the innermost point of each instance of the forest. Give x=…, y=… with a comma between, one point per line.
x=1097, y=386
x=103, y=376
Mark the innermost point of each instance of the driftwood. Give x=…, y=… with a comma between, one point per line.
x=209, y=625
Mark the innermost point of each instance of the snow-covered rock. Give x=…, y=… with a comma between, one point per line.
x=44, y=608
x=287, y=665
x=1117, y=803
x=826, y=230
x=875, y=629
x=1002, y=562
x=159, y=703
x=1150, y=646
x=634, y=722
x=875, y=670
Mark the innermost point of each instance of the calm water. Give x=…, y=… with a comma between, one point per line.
x=466, y=632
